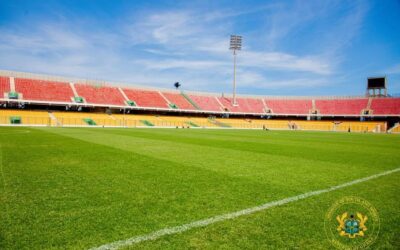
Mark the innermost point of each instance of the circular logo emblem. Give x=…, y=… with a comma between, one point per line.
x=352, y=223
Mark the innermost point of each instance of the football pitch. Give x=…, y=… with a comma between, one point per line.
x=82, y=188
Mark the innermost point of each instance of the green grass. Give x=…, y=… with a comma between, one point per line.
x=76, y=188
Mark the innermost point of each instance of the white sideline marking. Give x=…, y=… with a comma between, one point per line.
x=202, y=223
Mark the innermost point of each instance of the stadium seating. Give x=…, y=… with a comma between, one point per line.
x=385, y=106
x=182, y=121
x=237, y=123
x=100, y=94
x=133, y=120
x=41, y=90
x=289, y=106
x=146, y=98
x=396, y=128
x=83, y=118
x=341, y=106
x=26, y=117
x=208, y=103
x=164, y=121
x=178, y=100
x=130, y=120
x=306, y=125
x=256, y=105
x=245, y=105
x=4, y=85
x=54, y=92
x=361, y=126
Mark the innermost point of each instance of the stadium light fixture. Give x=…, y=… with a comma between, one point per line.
x=235, y=44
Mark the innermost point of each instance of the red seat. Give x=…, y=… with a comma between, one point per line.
x=341, y=106
x=4, y=85
x=42, y=90
x=245, y=105
x=100, y=94
x=178, y=100
x=386, y=106
x=146, y=98
x=208, y=103
x=289, y=106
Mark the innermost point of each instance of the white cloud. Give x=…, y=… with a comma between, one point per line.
x=156, y=48
x=182, y=64
x=283, y=61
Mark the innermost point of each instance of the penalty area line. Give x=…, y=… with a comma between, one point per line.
x=202, y=223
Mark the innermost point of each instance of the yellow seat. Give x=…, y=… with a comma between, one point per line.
x=27, y=117
x=77, y=119
x=134, y=120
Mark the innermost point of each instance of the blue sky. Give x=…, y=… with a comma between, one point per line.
x=289, y=47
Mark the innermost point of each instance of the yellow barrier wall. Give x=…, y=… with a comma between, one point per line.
x=133, y=120
x=27, y=117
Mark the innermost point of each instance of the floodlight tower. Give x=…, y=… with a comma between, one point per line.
x=235, y=44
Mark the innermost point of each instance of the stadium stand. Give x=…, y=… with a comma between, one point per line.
x=341, y=106
x=146, y=98
x=139, y=120
x=164, y=121
x=306, y=125
x=208, y=103
x=41, y=90
x=237, y=123
x=360, y=126
x=179, y=100
x=100, y=94
x=396, y=128
x=204, y=122
x=4, y=86
x=103, y=106
x=245, y=105
x=385, y=106
x=289, y=106
x=85, y=119
x=256, y=105
x=176, y=121
x=24, y=117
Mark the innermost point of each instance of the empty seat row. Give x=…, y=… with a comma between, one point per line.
x=289, y=107
x=386, y=106
x=341, y=106
x=100, y=94
x=4, y=85
x=244, y=105
x=56, y=91
x=41, y=90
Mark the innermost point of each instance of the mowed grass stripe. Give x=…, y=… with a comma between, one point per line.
x=219, y=218
x=275, y=137
x=260, y=165
x=298, y=225
x=232, y=163
x=260, y=138
x=73, y=192
x=301, y=151
x=268, y=169
x=91, y=192
x=267, y=143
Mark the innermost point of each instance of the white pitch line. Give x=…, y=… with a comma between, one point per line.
x=202, y=223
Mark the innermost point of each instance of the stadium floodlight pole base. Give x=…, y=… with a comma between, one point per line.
x=234, y=103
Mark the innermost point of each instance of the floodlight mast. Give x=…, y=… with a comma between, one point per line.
x=235, y=44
